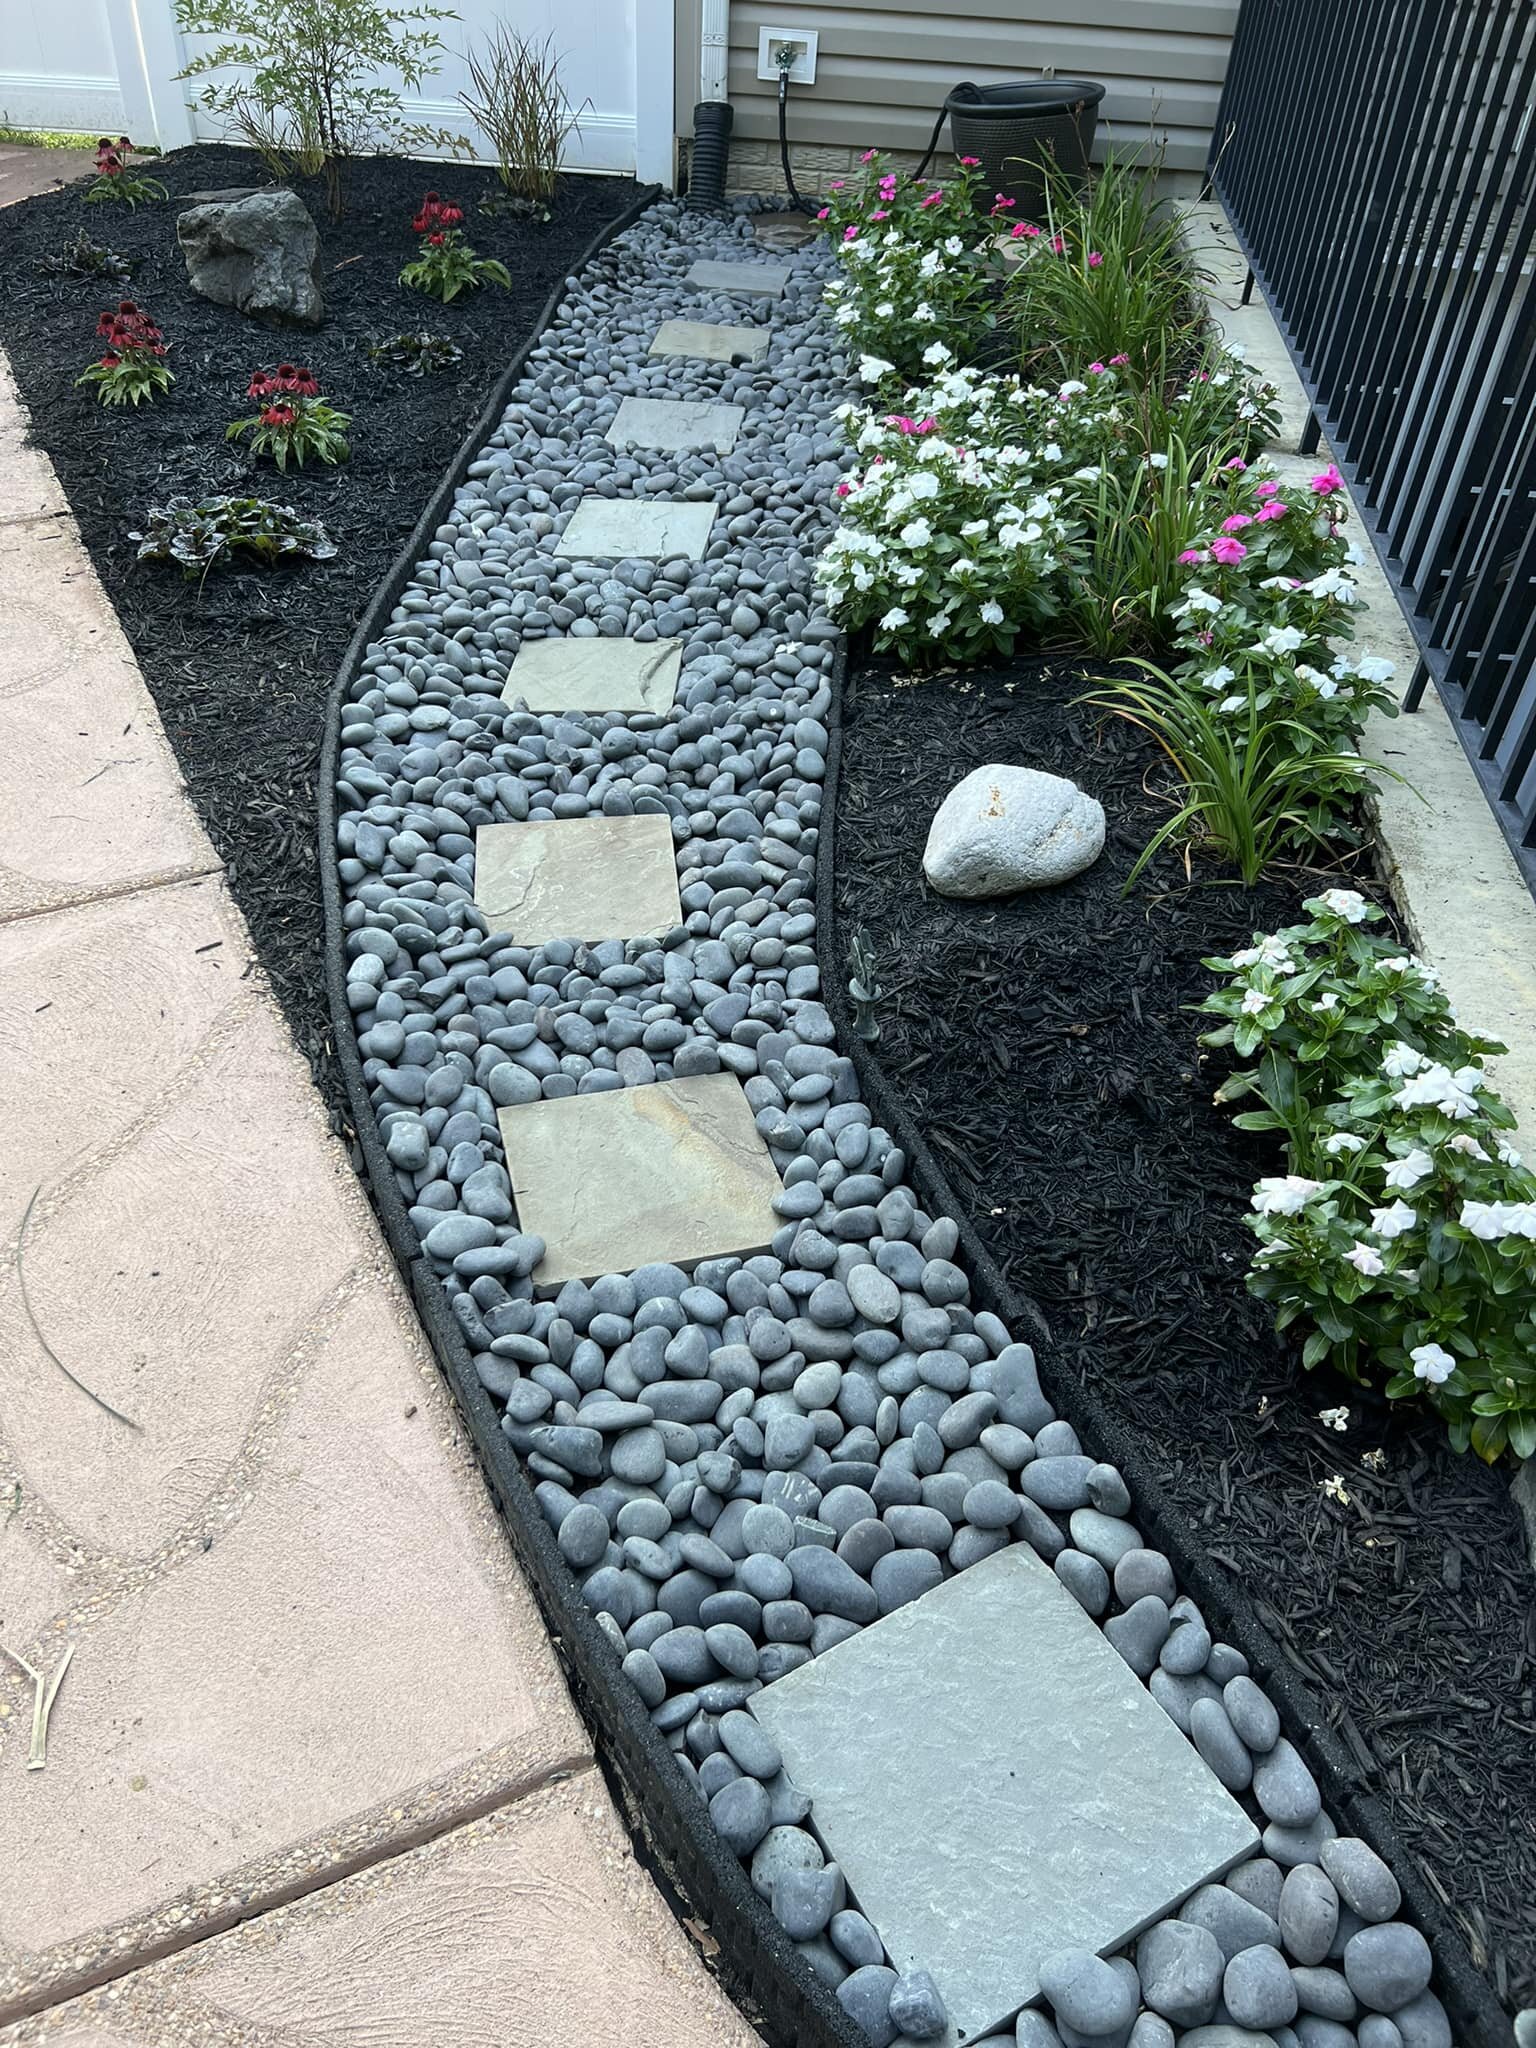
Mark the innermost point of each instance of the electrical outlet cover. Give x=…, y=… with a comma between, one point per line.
x=803, y=70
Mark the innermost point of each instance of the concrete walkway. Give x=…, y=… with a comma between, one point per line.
x=309, y=1690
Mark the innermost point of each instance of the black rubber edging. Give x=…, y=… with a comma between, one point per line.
x=774, y=1986
x=1478, y=2019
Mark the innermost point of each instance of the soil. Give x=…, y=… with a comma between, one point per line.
x=239, y=665
x=1045, y=1048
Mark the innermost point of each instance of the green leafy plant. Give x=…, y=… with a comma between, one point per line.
x=312, y=82
x=1403, y=1238
x=1246, y=781
x=447, y=265
x=517, y=103
x=294, y=422
x=1141, y=518
x=115, y=183
x=419, y=355
x=197, y=536
x=864, y=988
x=84, y=258
x=134, y=367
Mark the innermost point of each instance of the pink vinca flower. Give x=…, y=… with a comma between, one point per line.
x=843, y=490
x=1236, y=463
x=1094, y=259
x=1328, y=482
x=972, y=163
x=880, y=213
x=823, y=213
x=1098, y=369
x=1266, y=490
x=1228, y=552
x=1271, y=510
x=1236, y=523
x=850, y=234
x=868, y=157
x=933, y=199
x=1118, y=362
x=1193, y=555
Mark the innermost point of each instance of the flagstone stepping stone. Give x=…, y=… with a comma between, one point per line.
x=710, y=342
x=578, y=878
x=637, y=529
x=675, y=423
x=998, y=1856
x=761, y=280
x=671, y=1172
x=596, y=675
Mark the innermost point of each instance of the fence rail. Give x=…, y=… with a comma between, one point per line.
x=1378, y=164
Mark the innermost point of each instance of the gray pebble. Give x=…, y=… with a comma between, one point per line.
x=1217, y=1741
x=865, y=1995
x=1387, y=1965
x=751, y=1745
x=1251, y=1714
x=904, y=1575
x=1086, y=1992
x=1325, y=1992
x=1180, y=1966
x=741, y=1816
x=854, y=1939
x=805, y=1900
x=917, y=2010
x=1257, y=1988
x=782, y=1848
x=1360, y=1877
x=1309, y=1913
x=1285, y=1788
x=1235, y=1924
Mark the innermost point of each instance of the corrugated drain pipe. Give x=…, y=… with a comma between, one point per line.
x=713, y=114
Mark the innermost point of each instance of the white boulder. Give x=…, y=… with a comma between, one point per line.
x=1004, y=829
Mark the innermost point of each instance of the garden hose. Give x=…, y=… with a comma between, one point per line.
x=797, y=202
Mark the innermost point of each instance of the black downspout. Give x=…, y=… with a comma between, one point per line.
x=711, y=150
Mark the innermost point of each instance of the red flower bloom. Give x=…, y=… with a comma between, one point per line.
x=436, y=241
x=278, y=416
x=436, y=214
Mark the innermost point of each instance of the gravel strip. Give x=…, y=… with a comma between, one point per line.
x=748, y=1463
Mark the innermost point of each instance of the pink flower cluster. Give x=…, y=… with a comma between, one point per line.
x=905, y=424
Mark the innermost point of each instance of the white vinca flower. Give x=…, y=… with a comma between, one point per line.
x=1198, y=601
x=1408, y=1171
x=1401, y=1059
x=917, y=533
x=1326, y=1003
x=1392, y=1222
x=1346, y=903
x=1282, y=640
x=1333, y=1418
x=1365, y=1260
x=992, y=613
x=1372, y=668
x=894, y=618
x=1285, y=1195
x=1465, y=1143
x=1432, y=1364
x=1231, y=704
x=1436, y=1087
x=1219, y=677
x=1343, y=1141
x=1255, y=1000
x=873, y=368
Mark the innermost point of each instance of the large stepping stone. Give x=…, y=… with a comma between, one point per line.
x=595, y=675
x=758, y=280
x=995, y=1784
x=674, y=423
x=673, y=1170
x=578, y=878
x=710, y=343
x=637, y=529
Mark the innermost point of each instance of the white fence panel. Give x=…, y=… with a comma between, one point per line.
x=57, y=68
x=95, y=65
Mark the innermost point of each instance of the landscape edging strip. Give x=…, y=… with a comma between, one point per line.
x=774, y=1985
x=1480, y=2019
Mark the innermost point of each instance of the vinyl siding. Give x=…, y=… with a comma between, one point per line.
x=885, y=66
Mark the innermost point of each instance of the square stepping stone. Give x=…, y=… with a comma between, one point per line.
x=596, y=675
x=758, y=280
x=578, y=878
x=675, y=423
x=674, y=1170
x=709, y=342
x=637, y=529
x=1046, y=1801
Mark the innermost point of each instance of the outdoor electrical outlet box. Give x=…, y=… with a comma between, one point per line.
x=771, y=44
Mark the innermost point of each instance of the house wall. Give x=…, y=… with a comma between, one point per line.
x=885, y=66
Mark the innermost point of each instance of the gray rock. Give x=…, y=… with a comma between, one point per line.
x=1377, y=2031
x=1251, y=1714
x=782, y=1848
x=1309, y=1913
x=917, y=2010
x=1360, y=1877
x=904, y=1575
x=1285, y=1788
x=1235, y=1924
x=1225, y=2035
x=259, y=254
x=1151, y=2032
x=1140, y=1632
x=1216, y=1739
x=1260, y=1882
x=805, y=1900
x=829, y=1586
x=1422, y=2022
x=1325, y=1992
x=865, y=1995
x=1005, y=828
x=1257, y=1989
x=1180, y=1966
x=1086, y=1992
x=1031, y=2030
x=750, y=1744
x=854, y=1938
x=1387, y=1965
x=740, y=1813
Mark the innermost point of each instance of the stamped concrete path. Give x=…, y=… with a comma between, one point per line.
x=308, y=1692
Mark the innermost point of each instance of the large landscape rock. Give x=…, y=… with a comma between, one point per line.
x=1004, y=829
x=259, y=253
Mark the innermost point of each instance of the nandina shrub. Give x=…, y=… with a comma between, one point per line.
x=134, y=366
x=294, y=422
x=447, y=265
x=114, y=182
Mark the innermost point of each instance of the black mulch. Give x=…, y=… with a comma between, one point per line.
x=1045, y=1048
x=239, y=667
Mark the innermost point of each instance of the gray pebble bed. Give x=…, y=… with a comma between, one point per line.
x=747, y=1463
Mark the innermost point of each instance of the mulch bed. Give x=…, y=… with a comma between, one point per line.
x=239, y=666
x=1045, y=1048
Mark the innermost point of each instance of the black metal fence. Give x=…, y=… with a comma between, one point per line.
x=1377, y=159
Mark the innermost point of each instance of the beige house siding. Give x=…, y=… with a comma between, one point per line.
x=885, y=66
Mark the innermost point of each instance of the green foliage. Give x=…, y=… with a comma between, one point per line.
x=293, y=430
x=115, y=183
x=312, y=77
x=134, y=367
x=447, y=264
x=419, y=355
x=517, y=103
x=1403, y=1238
x=197, y=536
x=1141, y=518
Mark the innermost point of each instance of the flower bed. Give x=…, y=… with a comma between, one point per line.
x=238, y=660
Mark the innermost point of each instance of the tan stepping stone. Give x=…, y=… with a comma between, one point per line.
x=596, y=675
x=709, y=342
x=533, y=1923
x=578, y=878
x=637, y=529
x=757, y=280
x=674, y=1170
x=675, y=423
x=994, y=1858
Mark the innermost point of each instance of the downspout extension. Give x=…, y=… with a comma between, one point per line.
x=713, y=115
